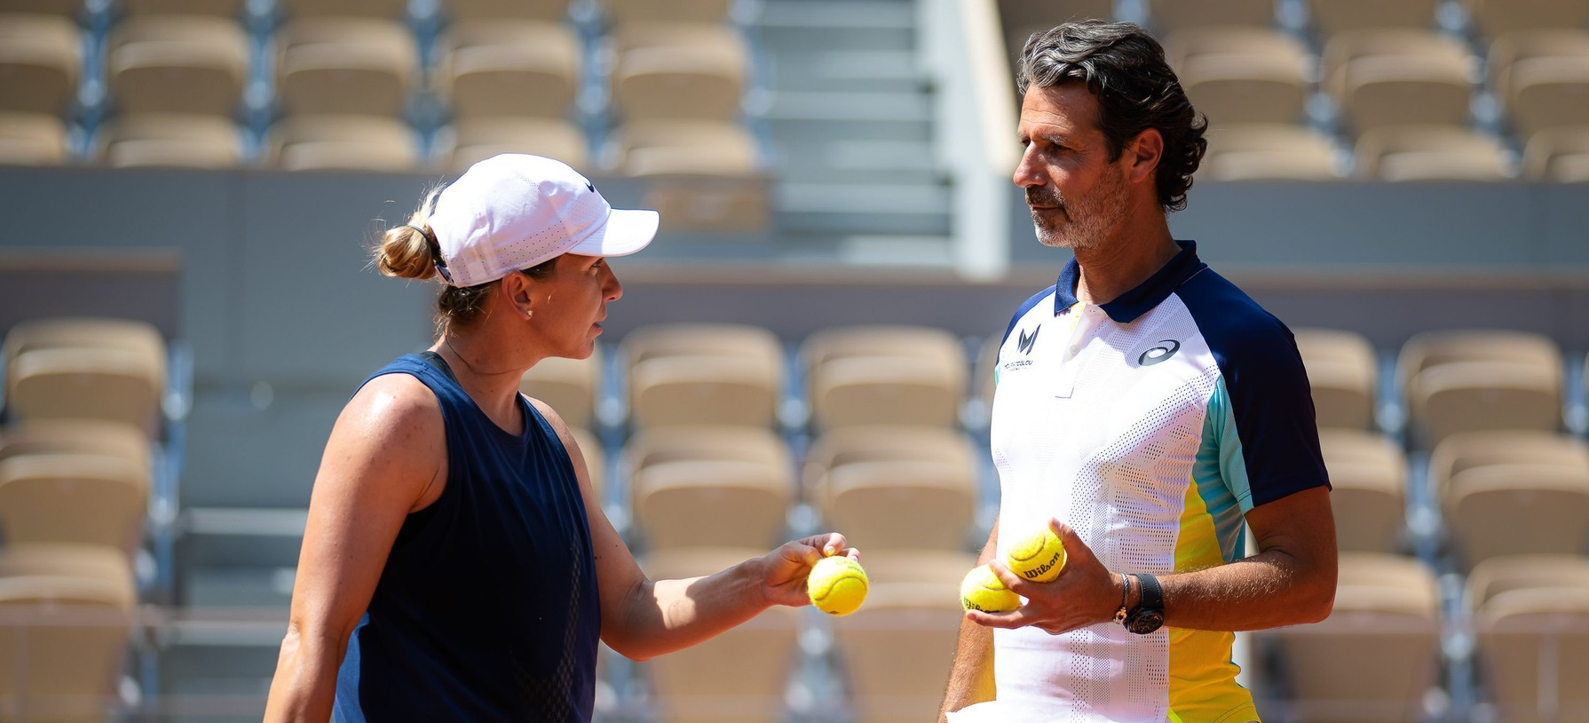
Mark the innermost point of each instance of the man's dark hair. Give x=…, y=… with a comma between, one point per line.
x=1125, y=68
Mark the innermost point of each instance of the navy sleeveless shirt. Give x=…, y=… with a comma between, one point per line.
x=487, y=608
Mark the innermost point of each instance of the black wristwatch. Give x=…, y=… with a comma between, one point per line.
x=1149, y=613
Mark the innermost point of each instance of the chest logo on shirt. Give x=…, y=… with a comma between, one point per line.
x=1025, y=343
x=1165, y=349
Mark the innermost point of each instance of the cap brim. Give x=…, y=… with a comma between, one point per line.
x=624, y=233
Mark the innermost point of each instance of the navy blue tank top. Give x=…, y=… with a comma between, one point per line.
x=487, y=608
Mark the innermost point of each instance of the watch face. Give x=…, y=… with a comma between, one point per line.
x=1145, y=621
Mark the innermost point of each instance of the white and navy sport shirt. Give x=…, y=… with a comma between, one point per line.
x=1151, y=425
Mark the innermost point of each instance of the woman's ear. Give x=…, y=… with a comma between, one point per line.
x=518, y=291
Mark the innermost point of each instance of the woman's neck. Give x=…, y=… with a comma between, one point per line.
x=490, y=379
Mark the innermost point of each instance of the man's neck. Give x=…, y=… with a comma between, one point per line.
x=1122, y=264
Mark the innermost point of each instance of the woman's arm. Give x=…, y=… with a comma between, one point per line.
x=641, y=618
x=386, y=458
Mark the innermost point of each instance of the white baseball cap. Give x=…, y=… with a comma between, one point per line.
x=511, y=212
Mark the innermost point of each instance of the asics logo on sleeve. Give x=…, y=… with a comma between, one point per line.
x=1163, y=351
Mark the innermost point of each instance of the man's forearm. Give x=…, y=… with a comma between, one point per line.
x=971, y=679
x=1268, y=590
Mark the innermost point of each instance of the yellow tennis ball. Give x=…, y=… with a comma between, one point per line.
x=1037, y=557
x=983, y=590
x=837, y=585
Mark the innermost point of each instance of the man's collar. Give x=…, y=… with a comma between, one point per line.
x=1145, y=296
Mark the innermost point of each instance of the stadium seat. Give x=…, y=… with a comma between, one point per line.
x=476, y=139
x=220, y=8
x=690, y=374
x=1022, y=18
x=69, y=617
x=344, y=143
x=1343, y=375
x=178, y=64
x=75, y=436
x=346, y=66
x=896, y=651
x=568, y=385
x=83, y=368
x=1431, y=153
x=31, y=139
x=73, y=497
x=864, y=375
x=700, y=175
x=1479, y=380
x=1331, y=17
x=63, y=8
x=1542, y=77
x=894, y=487
x=39, y=63
x=1399, y=77
x=1170, y=16
x=736, y=677
x=1494, y=18
x=1368, y=476
x=1242, y=152
x=1375, y=657
x=1241, y=75
x=1513, y=493
x=470, y=10
x=523, y=68
x=678, y=71
x=376, y=9
x=1558, y=154
x=170, y=140
x=710, y=486
x=625, y=12
x=1531, y=618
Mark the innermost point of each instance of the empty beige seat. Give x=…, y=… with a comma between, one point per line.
x=1172, y=15
x=1431, y=153
x=39, y=63
x=1268, y=151
x=1477, y=380
x=568, y=385
x=1494, y=18
x=1542, y=77
x=73, y=497
x=1558, y=154
x=221, y=8
x=466, y=10
x=1241, y=75
x=864, y=375
x=178, y=64
x=1513, y=493
x=1338, y=16
x=378, y=9
x=1343, y=375
x=170, y=140
x=1399, y=77
x=1368, y=476
x=80, y=368
x=681, y=147
x=345, y=66
x=900, y=487
x=32, y=139
x=679, y=11
x=523, y=68
x=689, y=374
x=1531, y=617
x=476, y=139
x=344, y=143
x=678, y=71
x=68, y=615
x=736, y=677
x=710, y=486
x=896, y=651
x=75, y=436
x=1376, y=655
x=64, y=8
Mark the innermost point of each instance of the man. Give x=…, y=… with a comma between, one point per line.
x=1146, y=409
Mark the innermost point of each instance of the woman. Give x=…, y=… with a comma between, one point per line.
x=457, y=565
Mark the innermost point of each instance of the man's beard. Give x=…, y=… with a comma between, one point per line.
x=1088, y=220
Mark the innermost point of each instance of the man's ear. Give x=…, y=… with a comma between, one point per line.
x=1146, y=150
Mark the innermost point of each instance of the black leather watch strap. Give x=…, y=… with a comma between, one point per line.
x=1152, y=594
x=1148, y=616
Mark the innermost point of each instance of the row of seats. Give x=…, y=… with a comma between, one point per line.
x=1274, y=151
x=619, y=11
